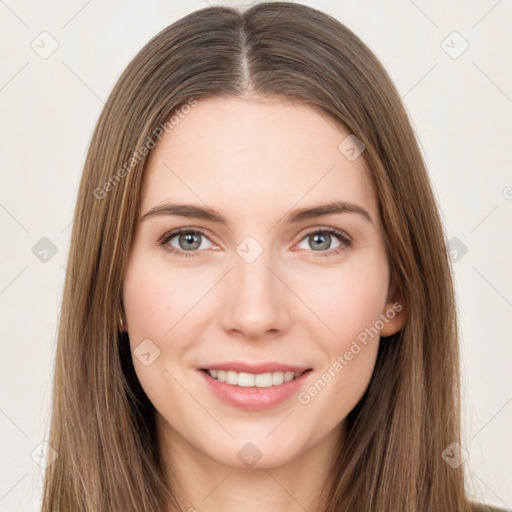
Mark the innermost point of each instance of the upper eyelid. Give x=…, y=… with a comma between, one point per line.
x=327, y=229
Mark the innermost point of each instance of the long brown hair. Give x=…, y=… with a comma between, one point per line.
x=102, y=423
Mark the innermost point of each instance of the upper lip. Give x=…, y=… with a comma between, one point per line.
x=256, y=368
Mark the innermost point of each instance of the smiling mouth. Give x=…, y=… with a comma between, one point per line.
x=259, y=380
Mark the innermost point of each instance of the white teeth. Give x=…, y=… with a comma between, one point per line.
x=245, y=379
x=232, y=378
x=288, y=376
x=261, y=380
x=277, y=378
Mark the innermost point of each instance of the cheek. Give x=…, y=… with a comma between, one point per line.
x=349, y=300
x=352, y=306
x=163, y=305
x=153, y=310
x=145, y=301
x=349, y=303
x=157, y=299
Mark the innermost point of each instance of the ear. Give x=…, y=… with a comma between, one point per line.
x=394, y=314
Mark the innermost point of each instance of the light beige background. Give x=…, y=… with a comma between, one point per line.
x=461, y=108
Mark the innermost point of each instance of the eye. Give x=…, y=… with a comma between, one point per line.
x=187, y=241
x=321, y=239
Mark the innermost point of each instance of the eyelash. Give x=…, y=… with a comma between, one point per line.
x=346, y=242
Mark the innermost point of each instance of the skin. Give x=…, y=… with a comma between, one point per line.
x=253, y=160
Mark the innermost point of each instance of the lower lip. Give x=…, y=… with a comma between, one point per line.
x=254, y=398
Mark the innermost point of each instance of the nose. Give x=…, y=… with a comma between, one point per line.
x=258, y=299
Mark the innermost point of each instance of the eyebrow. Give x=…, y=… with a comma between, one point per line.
x=190, y=211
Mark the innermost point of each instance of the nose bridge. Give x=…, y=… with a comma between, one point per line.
x=257, y=297
x=254, y=279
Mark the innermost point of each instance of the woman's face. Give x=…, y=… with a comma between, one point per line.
x=263, y=285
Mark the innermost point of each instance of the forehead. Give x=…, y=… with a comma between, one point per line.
x=243, y=155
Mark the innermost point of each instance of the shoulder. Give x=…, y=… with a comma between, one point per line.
x=479, y=507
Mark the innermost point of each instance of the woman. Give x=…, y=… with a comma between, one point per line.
x=211, y=354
